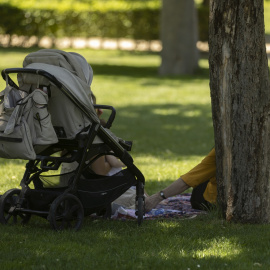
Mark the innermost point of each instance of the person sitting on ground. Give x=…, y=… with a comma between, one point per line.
x=203, y=180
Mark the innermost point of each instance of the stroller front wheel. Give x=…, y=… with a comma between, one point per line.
x=66, y=212
x=8, y=212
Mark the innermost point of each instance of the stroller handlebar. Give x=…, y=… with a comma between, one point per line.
x=44, y=73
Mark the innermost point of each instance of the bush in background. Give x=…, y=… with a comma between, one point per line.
x=92, y=18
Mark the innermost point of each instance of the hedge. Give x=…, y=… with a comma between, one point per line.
x=139, y=22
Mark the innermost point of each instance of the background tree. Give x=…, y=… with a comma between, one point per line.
x=179, y=35
x=206, y=2
x=239, y=82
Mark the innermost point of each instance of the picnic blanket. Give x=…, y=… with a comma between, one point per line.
x=174, y=207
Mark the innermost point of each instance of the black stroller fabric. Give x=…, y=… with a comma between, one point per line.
x=96, y=191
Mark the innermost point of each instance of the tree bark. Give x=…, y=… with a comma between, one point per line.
x=179, y=35
x=239, y=82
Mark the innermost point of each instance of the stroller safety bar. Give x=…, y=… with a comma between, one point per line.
x=112, y=115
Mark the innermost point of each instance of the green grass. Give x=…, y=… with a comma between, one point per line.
x=169, y=121
x=267, y=17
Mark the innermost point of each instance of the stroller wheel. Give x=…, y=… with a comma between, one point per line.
x=66, y=212
x=8, y=212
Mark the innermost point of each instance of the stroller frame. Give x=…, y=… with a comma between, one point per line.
x=65, y=209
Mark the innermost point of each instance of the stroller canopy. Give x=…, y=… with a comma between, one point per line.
x=76, y=75
x=71, y=61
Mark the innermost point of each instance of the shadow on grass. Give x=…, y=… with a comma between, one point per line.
x=123, y=70
x=145, y=71
x=204, y=242
x=179, y=129
x=19, y=49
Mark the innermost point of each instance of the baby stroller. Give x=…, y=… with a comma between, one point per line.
x=47, y=112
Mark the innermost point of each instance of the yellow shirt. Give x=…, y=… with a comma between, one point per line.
x=204, y=171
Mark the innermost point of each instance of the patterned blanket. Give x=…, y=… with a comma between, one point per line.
x=174, y=207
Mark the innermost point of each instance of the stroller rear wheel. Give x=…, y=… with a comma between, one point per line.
x=66, y=212
x=8, y=212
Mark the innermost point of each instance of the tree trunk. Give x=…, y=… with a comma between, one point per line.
x=179, y=35
x=206, y=2
x=239, y=82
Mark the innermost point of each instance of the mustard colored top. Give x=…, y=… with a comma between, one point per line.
x=206, y=170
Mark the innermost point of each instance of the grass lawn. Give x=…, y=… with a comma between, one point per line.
x=169, y=121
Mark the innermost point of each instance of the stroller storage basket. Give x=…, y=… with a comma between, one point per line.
x=99, y=191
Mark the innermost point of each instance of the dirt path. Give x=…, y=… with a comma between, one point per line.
x=95, y=43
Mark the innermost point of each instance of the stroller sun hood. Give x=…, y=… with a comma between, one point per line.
x=69, y=103
x=71, y=61
x=74, y=86
x=76, y=75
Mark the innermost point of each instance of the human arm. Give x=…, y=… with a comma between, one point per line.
x=177, y=187
x=204, y=171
